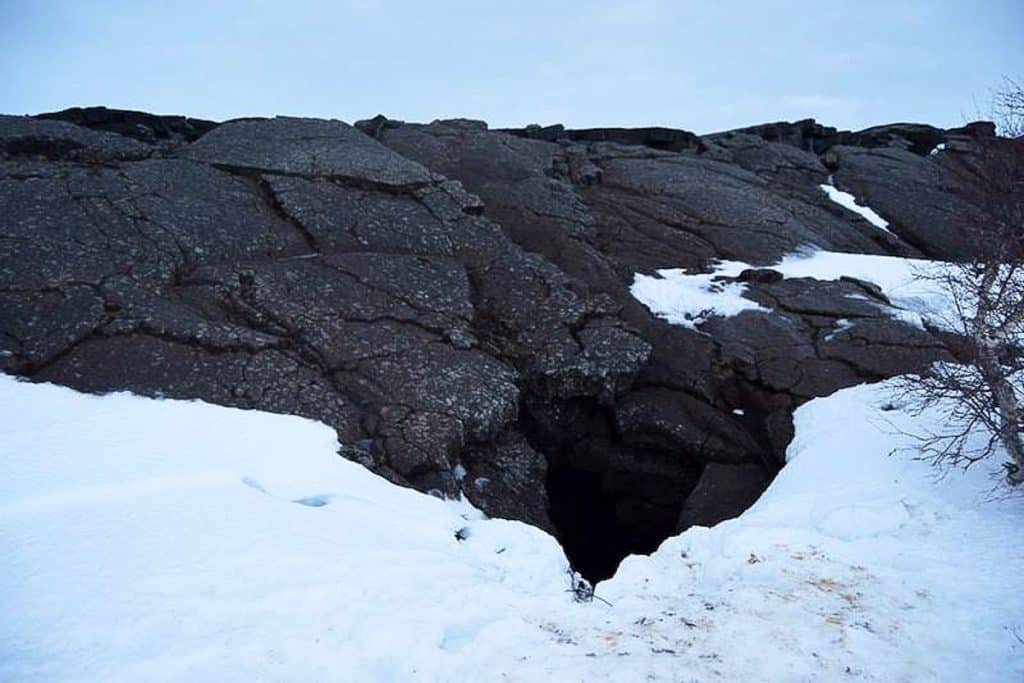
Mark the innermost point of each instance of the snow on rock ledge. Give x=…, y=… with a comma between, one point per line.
x=689, y=299
x=848, y=201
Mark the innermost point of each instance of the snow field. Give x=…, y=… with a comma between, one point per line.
x=173, y=540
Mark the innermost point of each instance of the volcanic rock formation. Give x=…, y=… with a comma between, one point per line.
x=455, y=300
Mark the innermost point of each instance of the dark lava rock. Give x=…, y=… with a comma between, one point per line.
x=455, y=300
x=668, y=139
x=501, y=478
x=677, y=422
x=810, y=136
x=916, y=138
x=917, y=194
x=807, y=134
x=24, y=138
x=762, y=275
x=140, y=125
x=723, y=492
x=306, y=147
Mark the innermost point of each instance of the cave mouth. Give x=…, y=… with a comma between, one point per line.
x=597, y=528
x=611, y=494
x=608, y=496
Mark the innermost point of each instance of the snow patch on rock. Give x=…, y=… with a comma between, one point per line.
x=688, y=299
x=848, y=201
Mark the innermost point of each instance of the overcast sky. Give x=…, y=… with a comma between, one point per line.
x=703, y=66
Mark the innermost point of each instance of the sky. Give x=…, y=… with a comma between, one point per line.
x=702, y=66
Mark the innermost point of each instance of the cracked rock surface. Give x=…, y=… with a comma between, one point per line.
x=454, y=300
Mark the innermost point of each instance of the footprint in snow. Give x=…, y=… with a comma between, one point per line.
x=317, y=501
x=253, y=484
x=314, y=501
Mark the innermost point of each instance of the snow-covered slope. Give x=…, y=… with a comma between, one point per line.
x=857, y=561
x=173, y=540
x=169, y=540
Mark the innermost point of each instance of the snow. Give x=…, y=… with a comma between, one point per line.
x=172, y=540
x=841, y=325
x=690, y=299
x=855, y=561
x=908, y=283
x=169, y=540
x=848, y=201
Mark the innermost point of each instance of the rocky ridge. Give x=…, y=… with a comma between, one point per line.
x=455, y=302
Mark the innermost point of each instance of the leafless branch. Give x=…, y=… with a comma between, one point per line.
x=982, y=395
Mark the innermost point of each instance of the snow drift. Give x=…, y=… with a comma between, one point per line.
x=173, y=540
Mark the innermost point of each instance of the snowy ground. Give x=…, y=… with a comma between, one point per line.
x=170, y=540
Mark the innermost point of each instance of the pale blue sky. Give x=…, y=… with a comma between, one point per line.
x=703, y=66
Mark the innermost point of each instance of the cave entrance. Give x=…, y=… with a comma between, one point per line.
x=608, y=497
x=599, y=527
x=611, y=495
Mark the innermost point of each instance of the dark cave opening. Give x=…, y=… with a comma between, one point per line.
x=597, y=528
x=609, y=495
x=617, y=488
